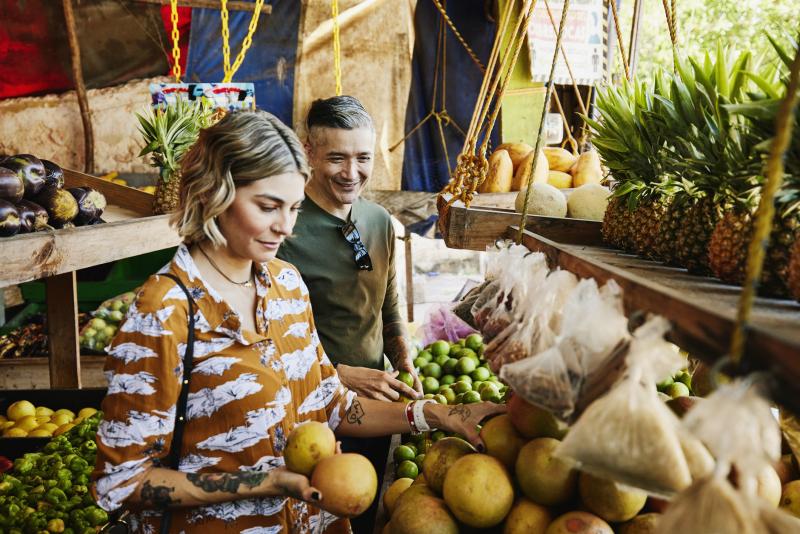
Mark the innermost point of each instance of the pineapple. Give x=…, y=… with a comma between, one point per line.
x=168, y=134
x=616, y=224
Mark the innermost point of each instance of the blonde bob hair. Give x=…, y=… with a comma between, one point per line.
x=242, y=147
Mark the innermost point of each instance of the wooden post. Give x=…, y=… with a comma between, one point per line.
x=409, y=278
x=633, y=49
x=80, y=87
x=62, y=330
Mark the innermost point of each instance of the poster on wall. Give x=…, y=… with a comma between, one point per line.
x=226, y=96
x=582, y=41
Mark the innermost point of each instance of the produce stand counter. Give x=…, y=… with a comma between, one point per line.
x=55, y=255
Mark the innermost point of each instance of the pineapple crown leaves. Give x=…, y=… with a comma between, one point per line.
x=170, y=131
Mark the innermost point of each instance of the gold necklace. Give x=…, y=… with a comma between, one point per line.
x=246, y=283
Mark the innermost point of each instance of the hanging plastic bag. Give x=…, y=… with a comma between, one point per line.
x=442, y=323
x=592, y=326
x=629, y=434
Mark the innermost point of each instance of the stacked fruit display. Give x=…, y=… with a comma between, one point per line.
x=48, y=491
x=31, y=340
x=687, y=152
x=33, y=198
x=23, y=419
x=105, y=324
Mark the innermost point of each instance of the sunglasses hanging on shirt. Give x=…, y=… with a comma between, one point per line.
x=360, y=254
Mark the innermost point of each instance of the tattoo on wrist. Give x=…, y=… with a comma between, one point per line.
x=157, y=496
x=225, y=482
x=355, y=414
x=461, y=411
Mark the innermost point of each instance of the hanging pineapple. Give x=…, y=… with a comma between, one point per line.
x=168, y=134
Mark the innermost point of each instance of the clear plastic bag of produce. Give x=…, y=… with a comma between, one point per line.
x=442, y=323
x=537, y=325
x=629, y=434
x=552, y=375
x=99, y=332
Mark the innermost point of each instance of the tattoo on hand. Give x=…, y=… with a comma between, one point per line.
x=157, y=496
x=225, y=482
x=461, y=411
x=355, y=413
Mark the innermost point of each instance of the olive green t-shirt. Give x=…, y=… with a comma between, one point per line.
x=352, y=307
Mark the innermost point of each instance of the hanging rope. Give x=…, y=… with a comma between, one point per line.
x=669, y=12
x=566, y=62
x=570, y=139
x=458, y=35
x=620, y=44
x=537, y=149
x=230, y=70
x=766, y=210
x=176, y=36
x=337, y=48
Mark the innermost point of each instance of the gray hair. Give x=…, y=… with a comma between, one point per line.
x=242, y=147
x=340, y=112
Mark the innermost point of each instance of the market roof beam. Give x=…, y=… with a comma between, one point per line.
x=210, y=4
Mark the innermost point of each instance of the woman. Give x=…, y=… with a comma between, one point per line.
x=259, y=368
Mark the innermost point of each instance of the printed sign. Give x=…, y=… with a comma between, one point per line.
x=582, y=41
x=227, y=96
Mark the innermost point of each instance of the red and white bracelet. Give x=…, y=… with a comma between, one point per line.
x=416, y=416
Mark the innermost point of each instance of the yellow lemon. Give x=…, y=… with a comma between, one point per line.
x=3, y=419
x=63, y=428
x=86, y=412
x=27, y=423
x=49, y=427
x=61, y=419
x=14, y=433
x=43, y=410
x=41, y=419
x=20, y=409
x=64, y=411
x=39, y=434
x=6, y=425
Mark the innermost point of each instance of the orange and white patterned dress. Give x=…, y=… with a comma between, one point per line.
x=247, y=392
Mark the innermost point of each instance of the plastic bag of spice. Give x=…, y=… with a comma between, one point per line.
x=629, y=434
x=592, y=326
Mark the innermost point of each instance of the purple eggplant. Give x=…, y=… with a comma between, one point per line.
x=53, y=174
x=91, y=204
x=40, y=217
x=9, y=219
x=30, y=169
x=12, y=188
x=61, y=206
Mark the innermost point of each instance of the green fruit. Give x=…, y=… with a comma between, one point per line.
x=420, y=362
x=476, y=385
x=677, y=389
x=449, y=367
x=407, y=469
x=428, y=396
x=406, y=378
x=471, y=396
x=466, y=365
x=454, y=349
x=448, y=394
x=424, y=444
x=441, y=399
x=480, y=374
x=441, y=359
x=437, y=435
x=98, y=324
x=468, y=353
x=685, y=378
x=430, y=385
x=432, y=370
x=490, y=392
x=473, y=341
x=662, y=386
x=116, y=316
x=426, y=355
x=447, y=379
x=402, y=453
x=459, y=398
x=411, y=446
x=440, y=347
x=418, y=460
x=462, y=387
x=464, y=378
x=481, y=351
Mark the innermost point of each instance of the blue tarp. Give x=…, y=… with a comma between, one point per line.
x=425, y=165
x=269, y=62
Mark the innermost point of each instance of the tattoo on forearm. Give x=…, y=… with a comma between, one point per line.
x=395, y=349
x=355, y=414
x=461, y=411
x=225, y=482
x=157, y=496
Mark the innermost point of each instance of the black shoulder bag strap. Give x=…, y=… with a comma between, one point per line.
x=173, y=457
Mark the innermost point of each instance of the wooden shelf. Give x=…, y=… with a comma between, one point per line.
x=33, y=373
x=702, y=310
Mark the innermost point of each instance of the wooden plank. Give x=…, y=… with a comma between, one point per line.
x=31, y=256
x=702, y=310
x=233, y=5
x=475, y=228
x=33, y=373
x=62, y=330
x=129, y=198
x=381, y=516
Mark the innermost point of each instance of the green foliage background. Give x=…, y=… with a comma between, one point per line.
x=739, y=24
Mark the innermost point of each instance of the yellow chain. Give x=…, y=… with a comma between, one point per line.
x=176, y=49
x=337, y=47
x=230, y=70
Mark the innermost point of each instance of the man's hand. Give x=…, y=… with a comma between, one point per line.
x=396, y=349
x=374, y=384
x=463, y=418
x=407, y=365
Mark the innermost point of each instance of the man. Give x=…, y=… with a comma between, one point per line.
x=344, y=247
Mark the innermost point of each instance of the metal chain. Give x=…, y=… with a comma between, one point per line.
x=458, y=35
x=337, y=47
x=248, y=39
x=226, y=38
x=176, y=49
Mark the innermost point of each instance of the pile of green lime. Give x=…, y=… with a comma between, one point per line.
x=409, y=456
x=678, y=385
